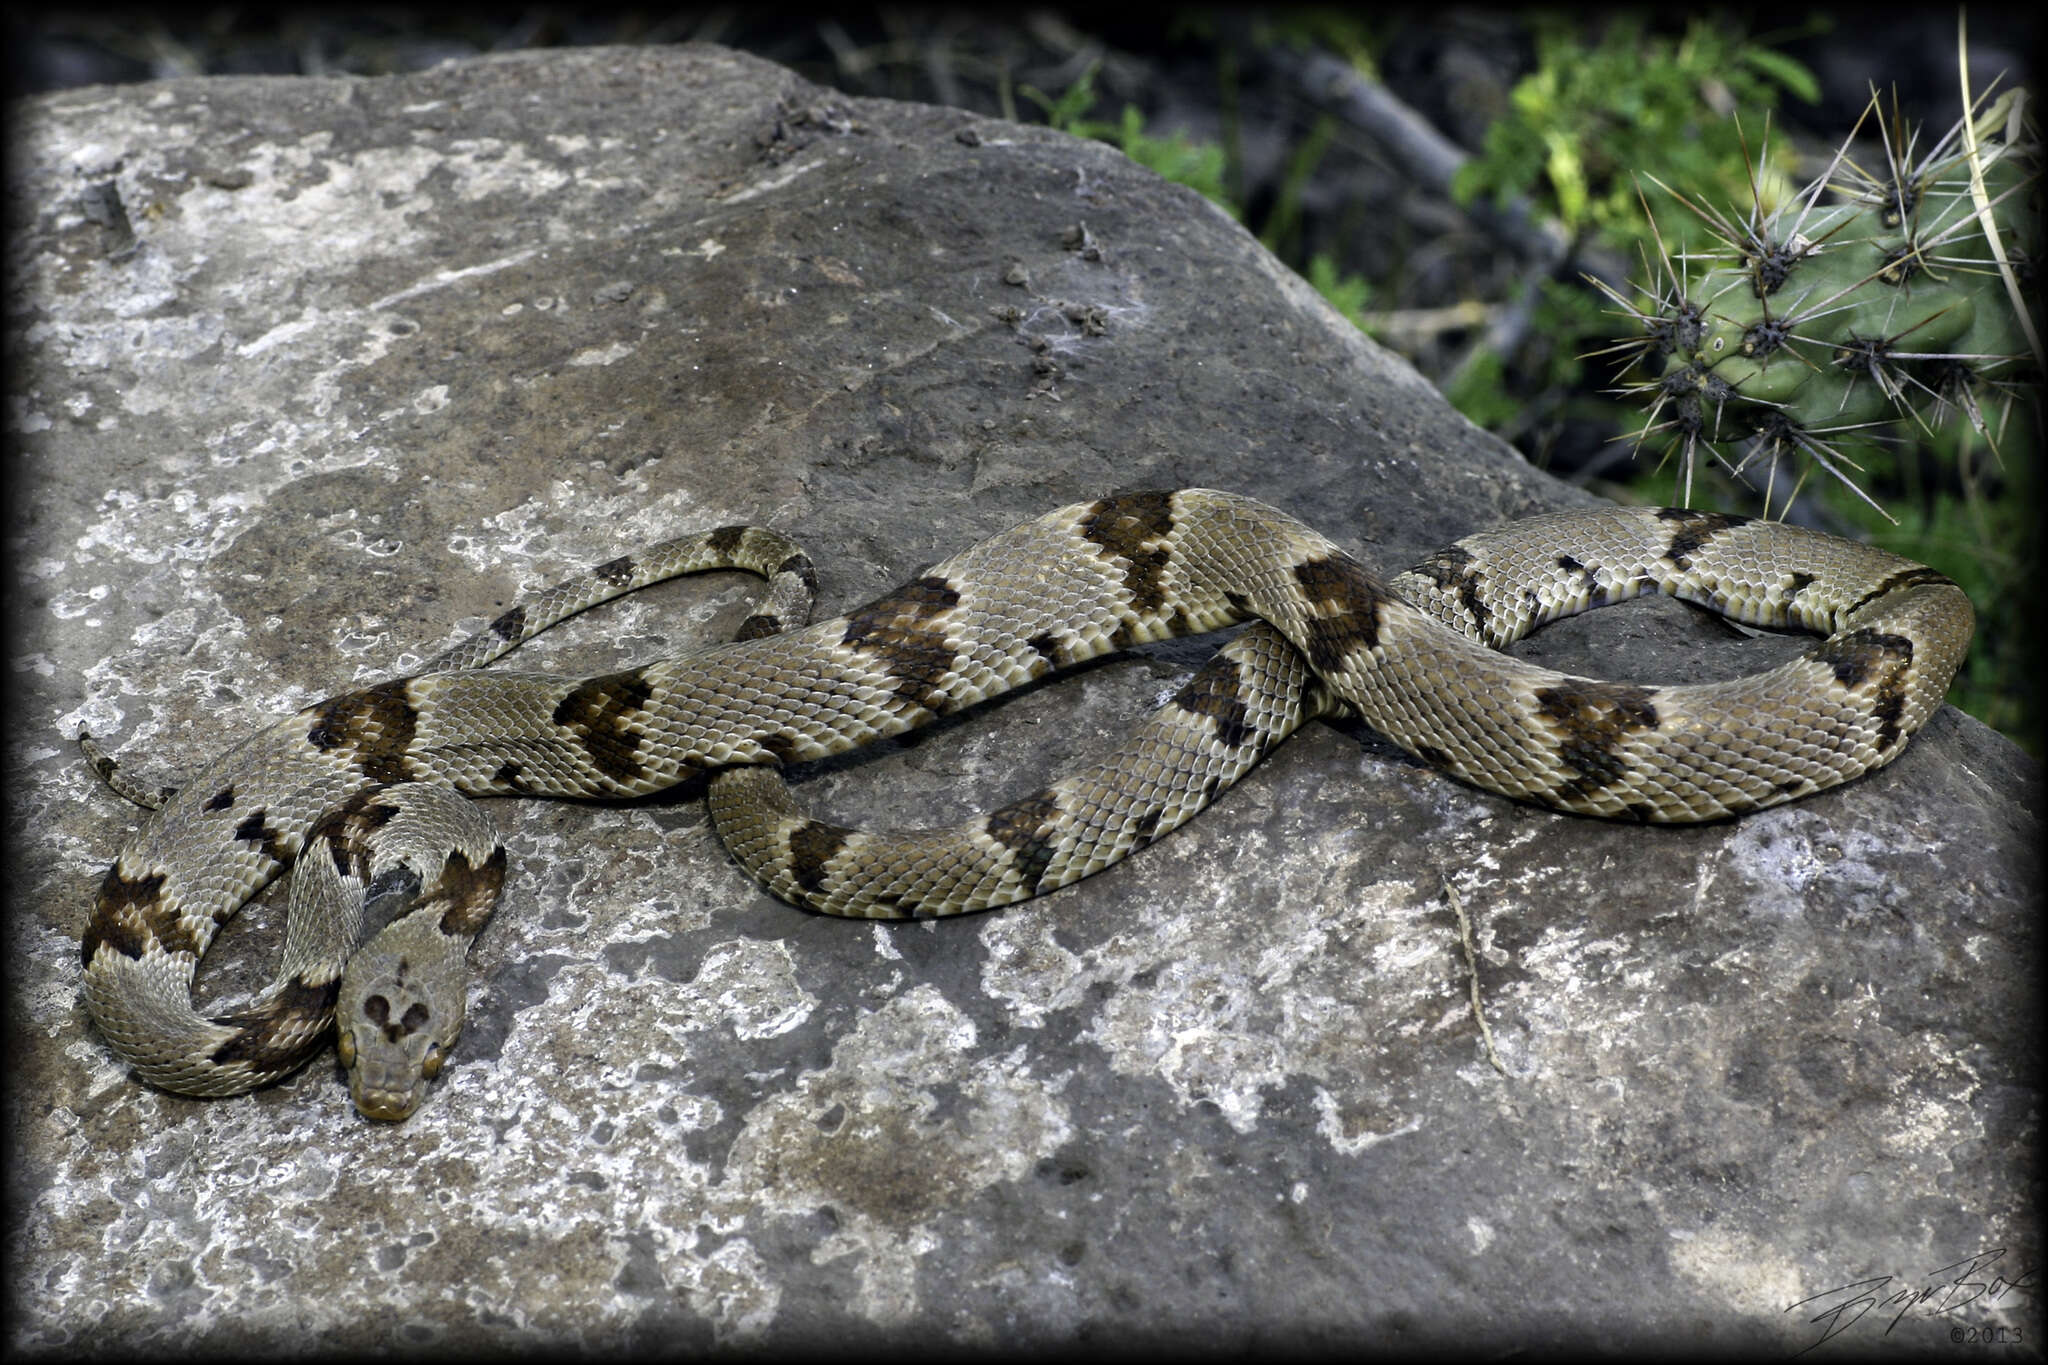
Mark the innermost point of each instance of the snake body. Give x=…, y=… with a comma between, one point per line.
x=1414, y=658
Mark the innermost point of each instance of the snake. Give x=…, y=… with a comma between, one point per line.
x=370, y=786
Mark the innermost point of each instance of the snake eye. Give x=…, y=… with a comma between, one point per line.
x=345, y=1044
x=430, y=1065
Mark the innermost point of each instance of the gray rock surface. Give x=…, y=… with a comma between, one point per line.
x=315, y=375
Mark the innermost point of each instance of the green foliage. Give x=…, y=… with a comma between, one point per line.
x=1590, y=117
x=1283, y=225
x=1198, y=165
x=1346, y=293
x=1480, y=391
x=1594, y=116
x=1354, y=36
x=1566, y=316
x=1987, y=542
x=1874, y=338
x=1064, y=113
x=1800, y=329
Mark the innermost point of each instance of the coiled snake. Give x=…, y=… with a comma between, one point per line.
x=365, y=779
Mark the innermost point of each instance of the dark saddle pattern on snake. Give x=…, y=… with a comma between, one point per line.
x=1416, y=658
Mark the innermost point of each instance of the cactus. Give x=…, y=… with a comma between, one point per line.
x=1809, y=328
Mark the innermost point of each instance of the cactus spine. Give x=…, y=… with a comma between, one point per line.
x=1809, y=326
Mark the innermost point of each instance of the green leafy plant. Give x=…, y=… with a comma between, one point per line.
x=1198, y=165
x=1201, y=166
x=1347, y=293
x=1591, y=115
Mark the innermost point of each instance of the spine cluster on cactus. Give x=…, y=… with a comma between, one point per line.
x=1809, y=327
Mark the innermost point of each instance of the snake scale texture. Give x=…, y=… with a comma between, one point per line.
x=364, y=779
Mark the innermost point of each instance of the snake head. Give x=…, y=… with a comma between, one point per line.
x=401, y=1007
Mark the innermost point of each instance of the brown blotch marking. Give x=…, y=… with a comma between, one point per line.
x=800, y=565
x=375, y=726
x=366, y=808
x=1217, y=694
x=1146, y=825
x=1692, y=529
x=347, y=828
x=470, y=893
x=1127, y=631
x=1643, y=812
x=1352, y=597
x=1589, y=581
x=509, y=625
x=812, y=847
x=347, y=858
x=1048, y=650
x=601, y=713
x=615, y=571
x=254, y=829
x=1861, y=654
x=127, y=916
x=377, y=1009
x=758, y=626
x=905, y=632
x=1879, y=661
x=273, y=1037
x=1800, y=582
x=1122, y=526
x=725, y=540
x=1592, y=720
x=1915, y=577
x=1454, y=566
x=1026, y=829
x=221, y=799
x=169, y=930
x=510, y=777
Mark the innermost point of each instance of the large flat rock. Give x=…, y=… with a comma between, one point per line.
x=314, y=376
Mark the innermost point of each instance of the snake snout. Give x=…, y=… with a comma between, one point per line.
x=385, y=1094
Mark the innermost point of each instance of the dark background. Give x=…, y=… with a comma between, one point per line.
x=1208, y=73
x=1442, y=284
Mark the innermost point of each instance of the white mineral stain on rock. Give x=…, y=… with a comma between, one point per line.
x=1350, y=1132
x=76, y=602
x=1787, y=854
x=485, y=166
x=1212, y=1023
x=605, y=355
x=279, y=335
x=867, y=1139
x=23, y=419
x=595, y=1084
x=1747, y=1275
